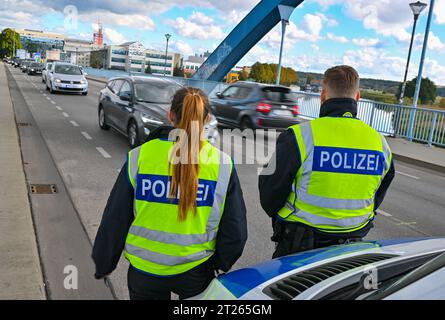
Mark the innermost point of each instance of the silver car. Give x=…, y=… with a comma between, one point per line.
x=66, y=77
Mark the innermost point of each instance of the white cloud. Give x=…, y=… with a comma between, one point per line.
x=114, y=36
x=330, y=22
x=312, y=24
x=434, y=43
x=439, y=10
x=315, y=47
x=201, y=19
x=182, y=47
x=366, y=42
x=197, y=26
x=335, y=38
x=136, y=21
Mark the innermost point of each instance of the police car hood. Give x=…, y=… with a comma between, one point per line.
x=248, y=283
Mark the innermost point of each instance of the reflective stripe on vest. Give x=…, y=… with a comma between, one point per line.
x=319, y=220
x=165, y=259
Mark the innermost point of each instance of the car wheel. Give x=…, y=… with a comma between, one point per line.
x=85, y=93
x=102, y=120
x=132, y=132
x=51, y=90
x=246, y=123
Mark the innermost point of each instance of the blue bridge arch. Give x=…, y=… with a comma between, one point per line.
x=243, y=37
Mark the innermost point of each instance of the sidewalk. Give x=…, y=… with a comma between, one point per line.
x=418, y=153
x=20, y=272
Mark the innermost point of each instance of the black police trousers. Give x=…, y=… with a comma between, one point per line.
x=296, y=237
x=142, y=286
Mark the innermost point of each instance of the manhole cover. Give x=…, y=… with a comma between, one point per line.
x=43, y=188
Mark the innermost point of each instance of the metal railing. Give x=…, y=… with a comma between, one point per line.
x=389, y=119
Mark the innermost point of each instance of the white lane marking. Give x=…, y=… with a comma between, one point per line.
x=59, y=108
x=53, y=102
x=66, y=115
x=48, y=98
x=86, y=135
x=383, y=213
x=408, y=175
x=103, y=152
x=74, y=123
x=44, y=94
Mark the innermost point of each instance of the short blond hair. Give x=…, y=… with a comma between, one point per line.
x=341, y=82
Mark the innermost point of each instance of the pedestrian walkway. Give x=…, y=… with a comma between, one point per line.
x=20, y=271
x=418, y=153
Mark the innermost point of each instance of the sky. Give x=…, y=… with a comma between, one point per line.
x=371, y=35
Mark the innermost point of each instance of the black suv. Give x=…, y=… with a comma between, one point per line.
x=256, y=106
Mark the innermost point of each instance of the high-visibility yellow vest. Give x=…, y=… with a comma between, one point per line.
x=343, y=163
x=157, y=242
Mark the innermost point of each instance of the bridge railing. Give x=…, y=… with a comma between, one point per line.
x=390, y=119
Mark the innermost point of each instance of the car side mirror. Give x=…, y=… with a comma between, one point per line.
x=85, y=74
x=125, y=97
x=220, y=95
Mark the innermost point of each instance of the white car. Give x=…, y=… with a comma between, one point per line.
x=45, y=69
x=66, y=77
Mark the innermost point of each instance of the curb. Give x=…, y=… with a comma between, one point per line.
x=420, y=163
x=100, y=80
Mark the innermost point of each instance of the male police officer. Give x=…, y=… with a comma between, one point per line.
x=331, y=173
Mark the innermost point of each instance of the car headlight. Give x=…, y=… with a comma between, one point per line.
x=83, y=81
x=32, y=69
x=149, y=119
x=57, y=80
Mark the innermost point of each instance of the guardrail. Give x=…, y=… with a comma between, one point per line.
x=389, y=119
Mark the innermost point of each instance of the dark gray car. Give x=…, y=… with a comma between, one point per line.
x=35, y=68
x=254, y=105
x=134, y=106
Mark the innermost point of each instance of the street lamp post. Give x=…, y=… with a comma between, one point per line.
x=285, y=13
x=419, y=76
x=167, y=36
x=417, y=8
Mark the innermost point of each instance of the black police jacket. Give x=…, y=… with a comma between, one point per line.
x=118, y=216
x=275, y=188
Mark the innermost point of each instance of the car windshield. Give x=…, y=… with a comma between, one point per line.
x=155, y=93
x=278, y=94
x=36, y=65
x=67, y=69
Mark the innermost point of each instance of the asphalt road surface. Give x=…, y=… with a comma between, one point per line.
x=89, y=159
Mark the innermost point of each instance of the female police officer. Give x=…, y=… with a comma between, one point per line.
x=176, y=210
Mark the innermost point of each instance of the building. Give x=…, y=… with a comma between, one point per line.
x=39, y=41
x=79, y=51
x=192, y=64
x=133, y=57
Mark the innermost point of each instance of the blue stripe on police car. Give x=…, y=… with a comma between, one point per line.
x=346, y=160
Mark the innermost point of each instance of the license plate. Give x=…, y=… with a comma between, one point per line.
x=282, y=113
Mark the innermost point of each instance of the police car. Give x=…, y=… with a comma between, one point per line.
x=373, y=270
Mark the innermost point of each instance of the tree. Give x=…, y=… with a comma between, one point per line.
x=9, y=40
x=178, y=72
x=243, y=75
x=428, y=90
x=442, y=103
x=148, y=69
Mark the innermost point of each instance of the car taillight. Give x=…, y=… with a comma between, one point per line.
x=263, y=107
x=295, y=110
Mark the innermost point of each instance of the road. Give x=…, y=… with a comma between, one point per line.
x=89, y=159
